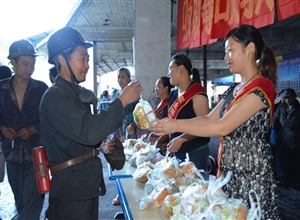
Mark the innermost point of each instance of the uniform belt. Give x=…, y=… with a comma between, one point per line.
x=74, y=161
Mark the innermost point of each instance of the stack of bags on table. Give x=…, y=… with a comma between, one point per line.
x=138, y=152
x=179, y=191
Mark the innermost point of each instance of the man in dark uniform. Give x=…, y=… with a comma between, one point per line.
x=70, y=131
x=286, y=122
x=20, y=128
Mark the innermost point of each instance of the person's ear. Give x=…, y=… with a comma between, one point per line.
x=13, y=62
x=61, y=60
x=181, y=68
x=251, y=48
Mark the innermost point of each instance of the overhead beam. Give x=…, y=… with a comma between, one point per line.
x=104, y=29
x=105, y=62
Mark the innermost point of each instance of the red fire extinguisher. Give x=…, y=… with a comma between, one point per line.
x=41, y=169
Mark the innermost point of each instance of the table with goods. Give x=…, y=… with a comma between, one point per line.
x=125, y=172
x=152, y=186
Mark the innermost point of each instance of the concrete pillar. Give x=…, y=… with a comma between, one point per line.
x=152, y=43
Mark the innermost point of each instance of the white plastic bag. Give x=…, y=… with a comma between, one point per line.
x=143, y=114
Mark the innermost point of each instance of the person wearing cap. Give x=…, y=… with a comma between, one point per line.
x=20, y=128
x=281, y=102
x=70, y=131
x=104, y=100
x=286, y=122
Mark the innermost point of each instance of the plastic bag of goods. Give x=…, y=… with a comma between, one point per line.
x=143, y=114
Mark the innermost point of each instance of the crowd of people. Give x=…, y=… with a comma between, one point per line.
x=60, y=119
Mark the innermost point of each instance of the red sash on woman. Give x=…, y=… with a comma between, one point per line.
x=182, y=100
x=161, y=105
x=267, y=88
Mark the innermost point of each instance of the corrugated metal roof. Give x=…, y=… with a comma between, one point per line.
x=111, y=25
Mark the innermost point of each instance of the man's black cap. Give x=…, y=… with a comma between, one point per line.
x=289, y=92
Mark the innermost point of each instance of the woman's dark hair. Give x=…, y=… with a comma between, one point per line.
x=264, y=56
x=126, y=71
x=166, y=82
x=181, y=59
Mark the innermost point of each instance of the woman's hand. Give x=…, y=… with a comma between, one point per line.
x=130, y=129
x=152, y=138
x=174, y=145
x=164, y=126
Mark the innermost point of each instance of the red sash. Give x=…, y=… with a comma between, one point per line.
x=267, y=88
x=182, y=100
x=161, y=105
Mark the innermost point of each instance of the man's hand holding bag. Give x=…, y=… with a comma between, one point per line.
x=114, y=154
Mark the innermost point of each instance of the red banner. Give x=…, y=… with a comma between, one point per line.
x=257, y=13
x=201, y=22
x=194, y=23
x=226, y=16
x=287, y=8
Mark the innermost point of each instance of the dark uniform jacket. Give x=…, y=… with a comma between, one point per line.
x=287, y=126
x=19, y=150
x=69, y=130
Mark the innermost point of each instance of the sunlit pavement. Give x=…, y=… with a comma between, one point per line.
x=7, y=202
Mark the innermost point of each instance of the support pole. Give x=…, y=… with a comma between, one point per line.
x=95, y=67
x=205, y=67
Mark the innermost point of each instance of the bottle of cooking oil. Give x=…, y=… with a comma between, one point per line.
x=143, y=114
